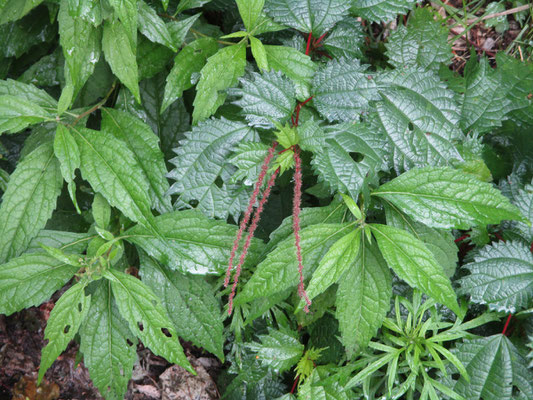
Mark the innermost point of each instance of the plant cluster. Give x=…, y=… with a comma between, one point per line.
x=394, y=260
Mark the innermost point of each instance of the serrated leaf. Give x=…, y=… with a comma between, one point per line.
x=415, y=264
x=201, y=160
x=266, y=99
x=127, y=12
x=189, y=61
x=153, y=27
x=30, y=279
x=63, y=324
x=311, y=16
x=28, y=92
x=363, y=298
x=420, y=117
x=67, y=152
x=278, y=350
x=144, y=144
x=192, y=242
x=424, y=42
x=17, y=114
x=219, y=73
x=189, y=302
x=381, y=10
x=248, y=158
x=147, y=318
x=494, y=366
x=107, y=344
x=501, y=276
x=446, y=198
x=342, y=90
x=123, y=184
x=345, y=39
x=259, y=53
x=29, y=200
x=340, y=257
x=121, y=56
x=250, y=10
x=11, y=10
x=279, y=270
x=523, y=200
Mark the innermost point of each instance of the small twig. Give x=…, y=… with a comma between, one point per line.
x=95, y=107
x=502, y=13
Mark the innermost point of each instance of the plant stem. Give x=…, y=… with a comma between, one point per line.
x=95, y=107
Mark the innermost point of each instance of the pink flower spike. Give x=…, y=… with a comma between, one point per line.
x=248, y=213
x=296, y=224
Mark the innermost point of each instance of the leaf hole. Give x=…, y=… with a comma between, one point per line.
x=140, y=326
x=357, y=157
x=129, y=342
x=66, y=329
x=166, y=332
x=80, y=307
x=219, y=182
x=410, y=126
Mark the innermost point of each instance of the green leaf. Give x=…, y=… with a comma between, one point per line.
x=501, y=276
x=123, y=183
x=30, y=279
x=192, y=242
x=67, y=152
x=424, y=42
x=189, y=302
x=29, y=200
x=121, y=56
x=248, y=158
x=340, y=257
x=523, y=200
x=11, y=10
x=29, y=93
x=310, y=16
x=70, y=242
x=101, y=211
x=381, y=10
x=88, y=10
x=221, y=72
x=266, y=99
x=147, y=318
x=201, y=161
x=190, y=60
x=415, y=264
x=363, y=298
x=495, y=366
x=250, y=10
x=346, y=39
x=63, y=324
x=343, y=89
x=279, y=270
x=259, y=53
x=127, y=12
x=179, y=29
x=419, y=116
x=188, y=4
x=107, y=344
x=144, y=144
x=153, y=27
x=447, y=198
x=17, y=114
x=279, y=350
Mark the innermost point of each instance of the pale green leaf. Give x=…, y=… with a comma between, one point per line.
x=69, y=242
x=101, y=211
x=346, y=39
x=248, y=158
x=291, y=62
x=153, y=27
x=67, y=152
x=279, y=350
x=259, y=53
x=381, y=10
x=250, y=10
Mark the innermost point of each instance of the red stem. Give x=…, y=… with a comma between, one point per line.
x=462, y=238
x=251, y=231
x=297, y=109
x=294, y=384
x=248, y=213
x=320, y=38
x=506, y=324
x=296, y=224
x=308, y=43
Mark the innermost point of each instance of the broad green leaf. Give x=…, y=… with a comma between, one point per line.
x=127, y=12
x=29, y=200
x=266, y=99
x=248, y=158
x=192, y=242
x=201, y=162
x=420, y=117
x=123, y=183
x=188, y=4
x=279, y=350
x=69, y=242
x=381, y=10
x=343, y=89
x=259, y=53
x=17, y=114
x=501, y=276
x=108, y=345
x=440, y=242
x=523, y=200
x=189, y=61
x=363, y=297
x=424, y=42
x=339, y=258
x=89, y=10
x=279, y=270
x=63, y=324
x=31, y=279
x=250, y=10
x=495, y=366
x=447, y=198
x=11, y=10
x=147, y=318
x=415, y=264
x=179, y=29
x=101, y=211
x=144, y=144
x=346, y=39
x=152, y=58
x=29, y=93
x=315, y=16
x=121, y=56
x=221, y=72
x=190, y=304
x=153, y=27
x=67, y=152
